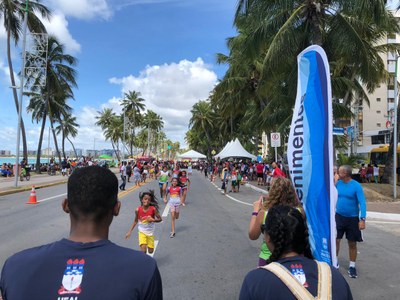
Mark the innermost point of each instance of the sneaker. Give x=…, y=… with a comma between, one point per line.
x=172, y=235
x=352, y=272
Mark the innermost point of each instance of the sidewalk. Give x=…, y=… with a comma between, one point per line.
x=375, y=210
x=7, y=185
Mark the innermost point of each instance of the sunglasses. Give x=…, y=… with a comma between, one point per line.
x=263, y=228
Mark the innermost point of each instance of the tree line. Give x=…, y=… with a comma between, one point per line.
x=258, y=91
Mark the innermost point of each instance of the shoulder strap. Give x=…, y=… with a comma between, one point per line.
x=298, y=290
x=324, y=281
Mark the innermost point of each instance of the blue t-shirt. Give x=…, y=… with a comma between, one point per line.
x=263, y=284
x=351, y=199
x=100, y=270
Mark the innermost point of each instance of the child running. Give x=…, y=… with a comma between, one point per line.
x=185, y=184
x=146, y=215
x=163, y=180
x=175, y=192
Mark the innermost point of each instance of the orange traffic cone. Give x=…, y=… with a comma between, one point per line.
x=32, y=197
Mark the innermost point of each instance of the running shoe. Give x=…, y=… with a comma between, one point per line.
x=352, y=272
x=172, y=235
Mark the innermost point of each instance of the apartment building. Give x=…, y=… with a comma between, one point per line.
x=373, y=124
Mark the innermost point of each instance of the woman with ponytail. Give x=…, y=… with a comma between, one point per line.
x=286, y=235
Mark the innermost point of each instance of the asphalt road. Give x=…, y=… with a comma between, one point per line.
x=211, y=252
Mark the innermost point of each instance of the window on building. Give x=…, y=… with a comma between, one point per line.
x=378, y=111
x=391, y=100
x=378, y=124
x=377, y=139
x=390, y=84
x=378, y=99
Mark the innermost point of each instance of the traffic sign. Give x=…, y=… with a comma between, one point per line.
x=275, y=139
x=338, y=131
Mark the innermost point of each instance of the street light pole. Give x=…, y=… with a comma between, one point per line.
x=21, y=92
x=123, y=140
x=395, y=133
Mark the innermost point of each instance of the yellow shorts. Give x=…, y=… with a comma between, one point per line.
x=146, y=240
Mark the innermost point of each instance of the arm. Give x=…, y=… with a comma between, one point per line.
x=363, y=207
x=128, y=234
x=256, y=220
x=158, y=218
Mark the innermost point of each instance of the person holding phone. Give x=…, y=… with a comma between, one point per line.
x=281, y=192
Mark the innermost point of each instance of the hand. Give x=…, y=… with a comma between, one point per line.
x=361, y=224
x=128, y=235
x=257, y=205
x=149, y=219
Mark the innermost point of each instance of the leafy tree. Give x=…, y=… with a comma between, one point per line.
x=60, y=81
x=133, y=106
x=12, y=13
x=67, y=127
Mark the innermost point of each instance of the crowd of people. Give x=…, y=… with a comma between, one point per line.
x=235, y=174
x=286, y=266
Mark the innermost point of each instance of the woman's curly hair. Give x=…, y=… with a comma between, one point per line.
x=288, y=232
x=282, y=192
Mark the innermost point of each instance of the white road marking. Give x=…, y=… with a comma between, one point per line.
x=155, y=248
x=58, y=196
x=230, y=197
x=383, y=222
x=166, y=210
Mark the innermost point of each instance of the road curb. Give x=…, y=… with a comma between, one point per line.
x=256, y=188
x=28, y=188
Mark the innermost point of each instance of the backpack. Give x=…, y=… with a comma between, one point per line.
x=298, y=290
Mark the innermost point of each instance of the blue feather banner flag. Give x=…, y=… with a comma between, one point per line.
x=310, y=151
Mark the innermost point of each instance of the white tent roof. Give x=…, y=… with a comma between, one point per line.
x=234, y=149
x=192, y=154
x=227, y=146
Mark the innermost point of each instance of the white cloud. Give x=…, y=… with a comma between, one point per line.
x=58, y=26
x=82, y=9
x=171, y=90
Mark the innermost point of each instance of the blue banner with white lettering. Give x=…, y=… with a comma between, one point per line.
x=310, y=151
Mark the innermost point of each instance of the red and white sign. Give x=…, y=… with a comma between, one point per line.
x=275, y=139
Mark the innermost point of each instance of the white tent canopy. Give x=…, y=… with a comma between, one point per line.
x=192, y=154
x=234, y=149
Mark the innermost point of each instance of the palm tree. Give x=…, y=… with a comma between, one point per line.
x=202, y=120
x=110, y=123
x=153, y=123
x=67, y=127
x=133, y=105
x=60, y=79
x=12, y=12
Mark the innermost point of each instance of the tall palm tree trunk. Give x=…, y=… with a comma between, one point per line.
x=10, y=67
x=55, y=140
x=63, y=142
x=73, y=147
x=39, y=149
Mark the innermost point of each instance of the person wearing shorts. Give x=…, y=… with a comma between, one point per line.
x=146, y=215
x=175, y=192
x=350, y=215
x=185, y=183
x=260, y=175
x=163, y=180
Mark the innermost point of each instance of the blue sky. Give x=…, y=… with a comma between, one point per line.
x=164, y=49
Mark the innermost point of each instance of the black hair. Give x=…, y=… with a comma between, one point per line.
x=153, y=198
x=92, y=192
x=288, y=232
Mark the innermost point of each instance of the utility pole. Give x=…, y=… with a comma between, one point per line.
x=21, y=92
